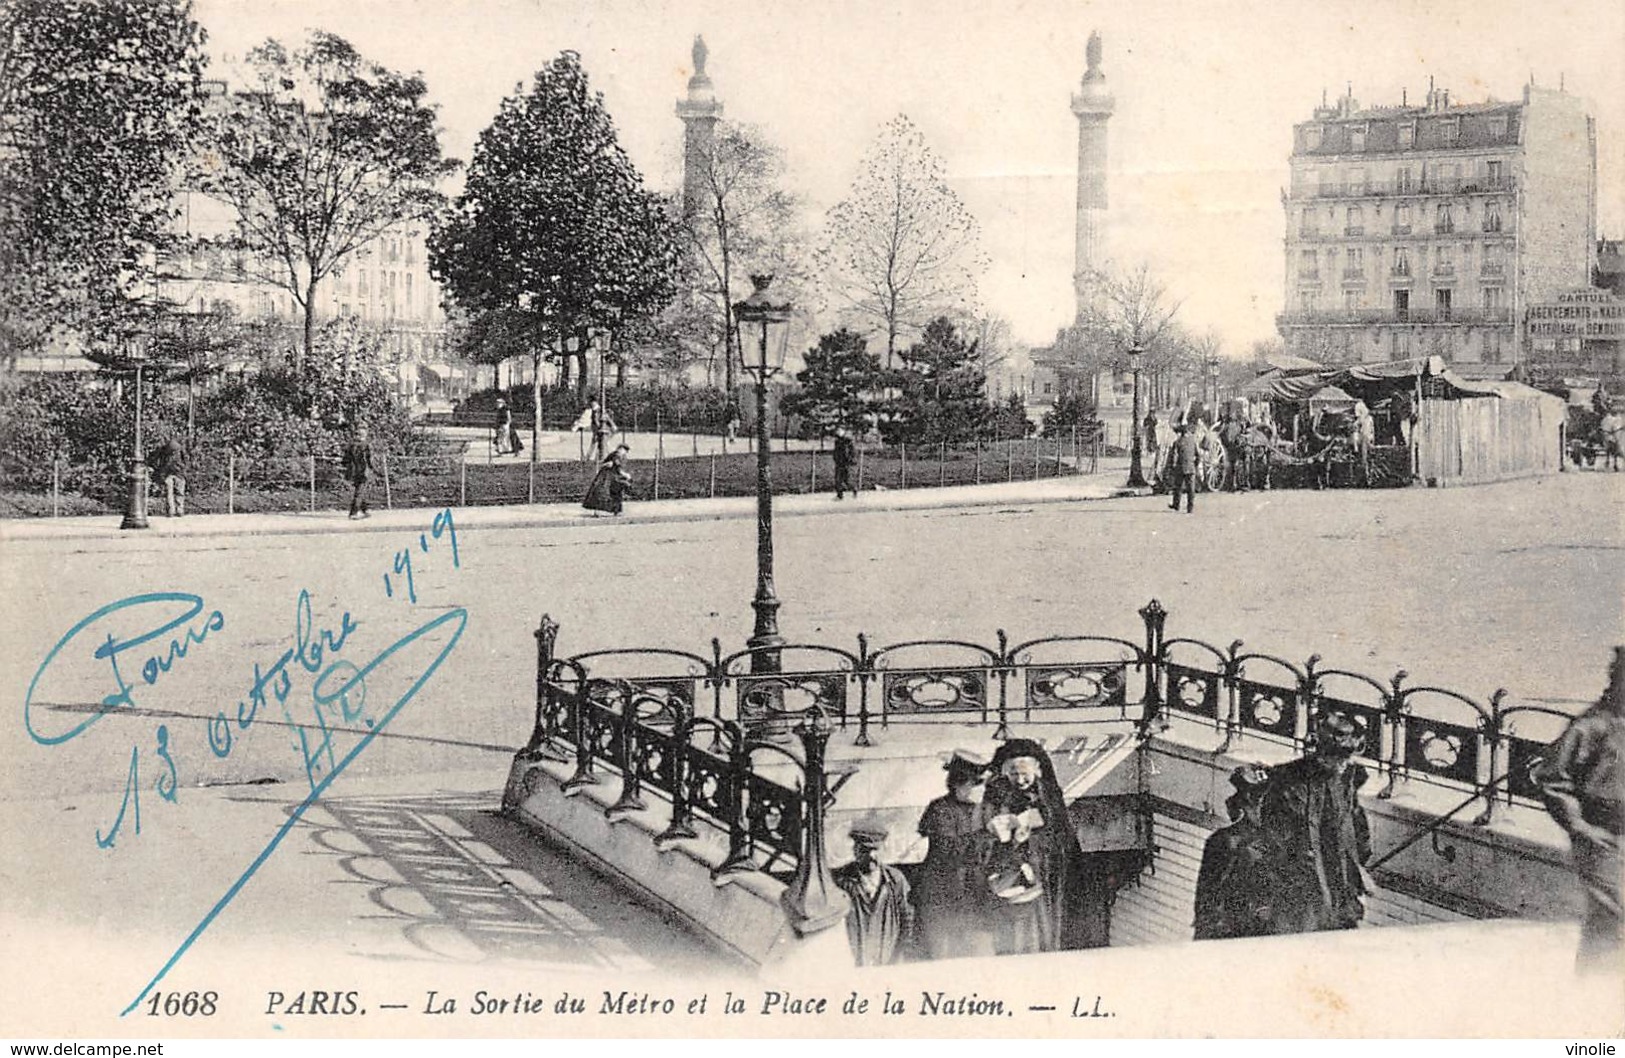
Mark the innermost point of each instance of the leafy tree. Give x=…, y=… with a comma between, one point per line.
x=554, y=233
x=97, y=104
x=901, y=248
x=941, y=389
x=744, y=222
x=1071, y=411
x=838, y=384
x=323, y=155
x=1010, y=419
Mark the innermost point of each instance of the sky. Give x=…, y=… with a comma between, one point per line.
x=1207, y=93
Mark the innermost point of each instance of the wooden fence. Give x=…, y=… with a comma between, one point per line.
x=1479, y=439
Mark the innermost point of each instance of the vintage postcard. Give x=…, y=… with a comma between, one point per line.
x=939, y=519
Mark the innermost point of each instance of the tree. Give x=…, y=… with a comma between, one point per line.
x=325, y=153
x=838, y=384
x=744, y=222
x=901, y=248
x=98, y=102
x=941, y=389
x=554, y=233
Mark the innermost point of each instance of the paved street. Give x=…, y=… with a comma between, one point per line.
x=1516, y=585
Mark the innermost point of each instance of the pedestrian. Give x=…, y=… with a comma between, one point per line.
x=357, y=466
x=952, y=894
x=595, y=419
x=1363, y=433
x=1233, y=435
x=1611, y=426
x=880, y=922
x=1236, y=882
x=1311, y=812
x=1582, y=781
x=168, y=465
x=730, y=417
x=1182, y=463
x=1047, y=901
x=504, y=424
x=846, y=454
x=609, y=486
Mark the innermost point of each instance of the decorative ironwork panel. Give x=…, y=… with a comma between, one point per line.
x=1265, y=707
x=1371, y=749
x=654, y=758
x=791, y=694
x=664, y=702
x=1193, y=690
x=775, y=815
x=1077, y=686
x=1445, y=750
x=924, y=691
x=600, y=726
x=558, y=712
x=1522, y=756
x=707, y=778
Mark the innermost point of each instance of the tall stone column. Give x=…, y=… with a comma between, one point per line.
x=1093, y=104
x=700, y=113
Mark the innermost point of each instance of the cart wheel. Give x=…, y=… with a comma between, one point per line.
x=1213, y=475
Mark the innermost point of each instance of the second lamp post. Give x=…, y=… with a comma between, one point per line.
x=762, y=308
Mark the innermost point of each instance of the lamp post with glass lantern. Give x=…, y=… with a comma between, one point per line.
x=1213, y=379
x=1136, y=475
x=761, y=308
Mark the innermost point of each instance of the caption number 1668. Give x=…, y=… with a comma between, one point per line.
x=182, y=1004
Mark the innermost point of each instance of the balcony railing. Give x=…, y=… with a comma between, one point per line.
x=1402, y=229
x=1313, y=317
x=1437, y=185
x=1354, y=229
x=1493, y=268
x=1354, y=275
x=1444, y=268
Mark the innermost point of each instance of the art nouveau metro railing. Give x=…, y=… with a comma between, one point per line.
x=719, y=743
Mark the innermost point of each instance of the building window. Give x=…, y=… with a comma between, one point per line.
x=1404, y=181
x=1407, y=135
x=1492, y=216
x=1402, y=220
x=1309, y=223
x=1311, y=138
x=1402, y=304
x=1495, y=173
x=1307, y=300
x=1441, y=303
x=1492, y=347
x=1444, y=260
x=1354, y=262
x=1351, y=299
x=1496, y=124
x=1309, y=265
x=1402, y=260
x=1494, y=259
x=1450, y=130
x=1355, y=222
x=1492, y=300
x=1357, y=137
x=1444, y=220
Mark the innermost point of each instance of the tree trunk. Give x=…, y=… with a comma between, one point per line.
x=620, y=372
x=581, y=365
x=535, y=402
x=310, y=323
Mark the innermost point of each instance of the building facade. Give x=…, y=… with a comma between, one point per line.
x=1429, y=230
x=1578, y=335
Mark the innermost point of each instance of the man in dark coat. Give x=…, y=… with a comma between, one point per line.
x=169, y=471
x=1236, y=884
x=1183, y=462
x=357, y=467
x=881, y=921
x=1049, y=901
x=952, y=894
x=1312, y=814
x=1582, y=780
x=846, y=455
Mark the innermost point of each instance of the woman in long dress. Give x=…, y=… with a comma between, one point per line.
x=952, y=891
x=608, y=489
x=1050, y=899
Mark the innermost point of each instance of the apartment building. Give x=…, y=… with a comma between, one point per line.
x=1429, y=230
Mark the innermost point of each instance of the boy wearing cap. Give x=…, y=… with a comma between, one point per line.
x=881, y=920
x=952, y=893
x=1311, y=813
x=1237, y=879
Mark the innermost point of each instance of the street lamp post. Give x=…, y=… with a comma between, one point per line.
x=1136, y=475
x=761, y=308
x=1213, y=379
x=135, y=508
